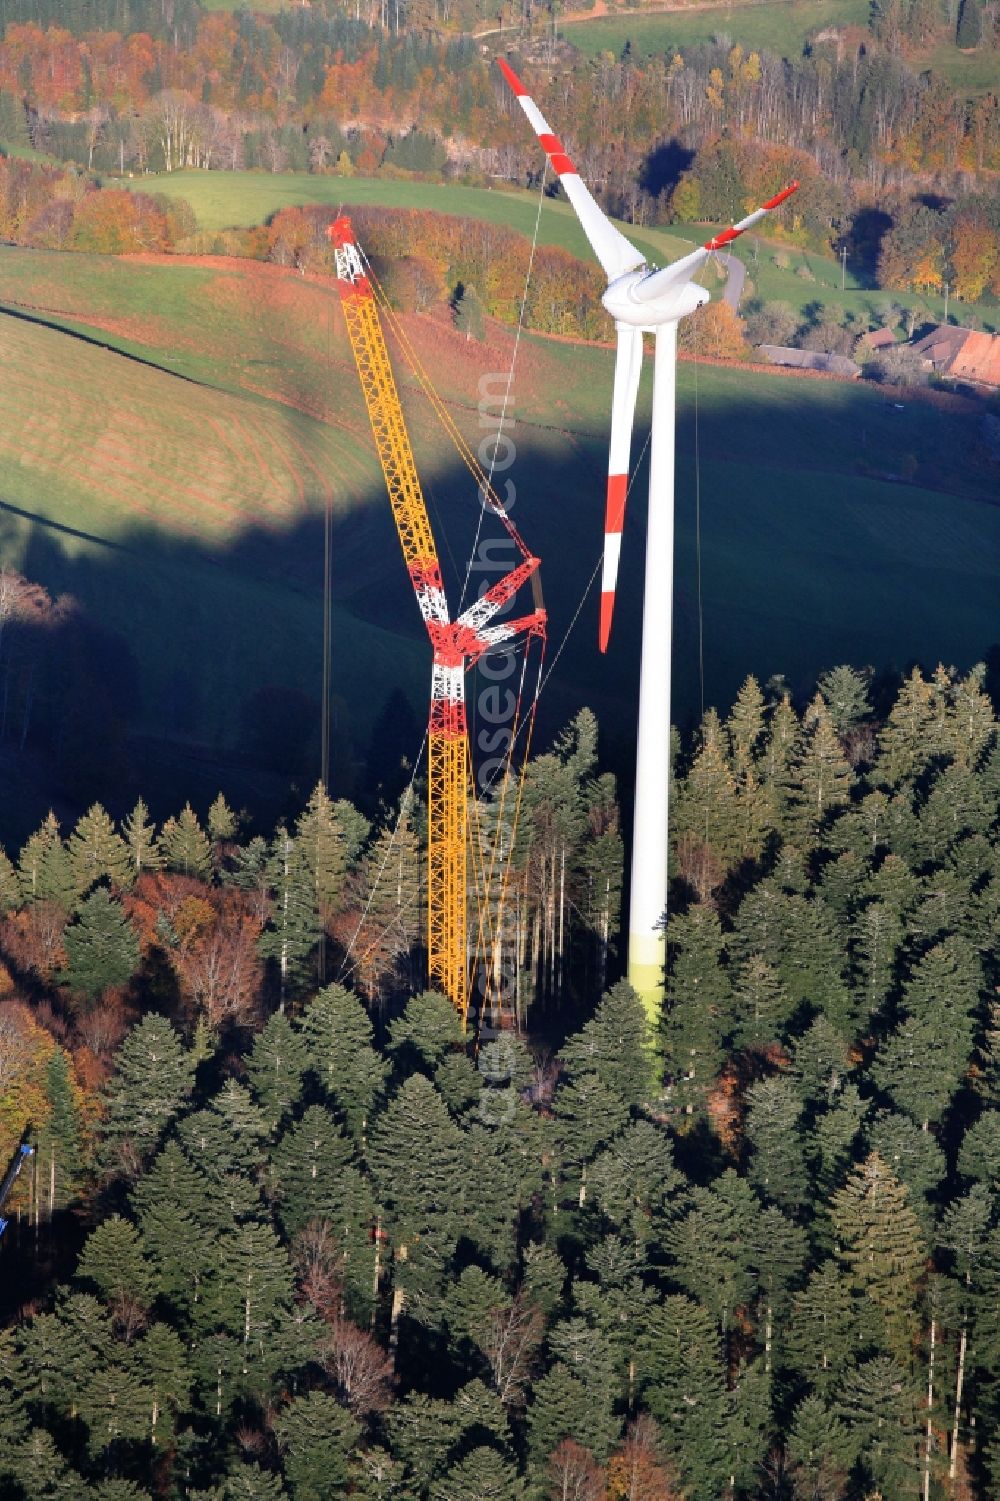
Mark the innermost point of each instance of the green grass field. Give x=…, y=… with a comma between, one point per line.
x=228, y=199
x=780, y=27
x=181, y=500
x=224, y=200
x=972, y=72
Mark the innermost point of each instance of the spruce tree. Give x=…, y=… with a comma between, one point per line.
x=696, y=1016
x=913, y=1156
x=416, y=1158
x=222, y=822
x=102, y=949
x=421, y=1431
x=972, y=722
x=228, y=1139
x=979, y=1154
x=820, y=1061
x=820, y=779
x=749, y=1423
x=469, y=313
x=955, y=806
x=781, y=744
x=11, y=895
x=181, y=1216
x=745, y=725
x=164, y=1371
x=563, y=1407
x=329, y=835
x=113, y=1260
x=294, y=929
x=681, y=1376
x=834, y=1135
x=845, y=693
x=140, y=838
x=120, y=1490
x=777, y=1167
x=316, y=1436
x=712, y=1246
x=392, y=874
x=907, y=740
x=248, y=1482
x=152, y=1080
x=275, y=1068
x=864, y=827
x=634, y=1183
x=944, y=906
x=429, y=1030
x=97, y=852
x=13, y=1414
x=881, y=1248
x=876, y=934
x=45, y=871
x=316, y=1178
x=185, y=846
x=921, y=1064
x=587, y=1116
x=780, y=1249
x=827, y=1327
x=761, y=1008
x=41, y=1471
x=60, y=1143
x=340, y=1056
x=615, y=1045
x=819, y=1452
x=249, y=1297
x=114, y=1406
x=841, y=883
x=877, y=1406
x=707, y=806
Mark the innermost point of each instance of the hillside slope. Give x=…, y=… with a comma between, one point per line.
x=176, y=483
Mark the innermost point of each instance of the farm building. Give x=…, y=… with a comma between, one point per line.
x=810, y=359
x=961, y=353
x=878, y=338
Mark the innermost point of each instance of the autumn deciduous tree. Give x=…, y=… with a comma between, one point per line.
x=219, y=967
x=573, y=1474
x=714, y=331
x=116, y=222
x=33, y=939
x=359, y=1366
x=636, y=1472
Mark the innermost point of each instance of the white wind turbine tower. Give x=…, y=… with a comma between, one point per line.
x=642, y=300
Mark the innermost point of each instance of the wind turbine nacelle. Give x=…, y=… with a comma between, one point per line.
x=625, y=303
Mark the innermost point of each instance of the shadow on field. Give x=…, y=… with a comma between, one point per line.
x=165, y=667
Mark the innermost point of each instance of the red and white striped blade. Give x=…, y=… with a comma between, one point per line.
x=652, y=287
x=628, y=368
x=615, y=253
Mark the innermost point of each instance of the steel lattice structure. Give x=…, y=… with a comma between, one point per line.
x=456, y=645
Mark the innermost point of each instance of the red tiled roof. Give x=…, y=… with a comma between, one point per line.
x=978, y=359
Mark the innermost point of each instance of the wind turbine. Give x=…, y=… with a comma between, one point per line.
x=641, y=300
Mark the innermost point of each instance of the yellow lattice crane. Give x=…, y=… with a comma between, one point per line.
x=457, y=644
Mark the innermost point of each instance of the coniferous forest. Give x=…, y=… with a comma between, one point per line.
x=287, y=1232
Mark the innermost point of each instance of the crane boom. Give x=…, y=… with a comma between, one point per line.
x=456, y=644
x=20, y=1157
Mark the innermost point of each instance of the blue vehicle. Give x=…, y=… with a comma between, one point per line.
x=10, y=1177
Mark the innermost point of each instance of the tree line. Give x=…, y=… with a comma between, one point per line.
x=696, y=132
x=328, y=1247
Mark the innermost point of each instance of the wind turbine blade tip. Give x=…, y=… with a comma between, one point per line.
x=787, y=192
x=607, y=611
x=512, y=78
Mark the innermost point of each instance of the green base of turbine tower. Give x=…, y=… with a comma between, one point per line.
x=646, y=961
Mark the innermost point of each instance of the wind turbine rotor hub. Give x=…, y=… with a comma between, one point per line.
x=626, y=305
